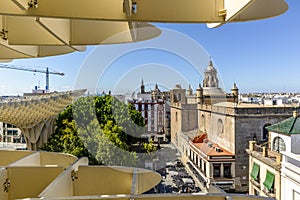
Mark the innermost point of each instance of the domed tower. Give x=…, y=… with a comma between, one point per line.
x=142, y=87
x=210, y=79
x=199, y=94
x=235, y=93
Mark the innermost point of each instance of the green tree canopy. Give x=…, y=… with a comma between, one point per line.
x=105, y=130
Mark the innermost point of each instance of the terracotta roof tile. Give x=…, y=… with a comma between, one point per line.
x=210, y=149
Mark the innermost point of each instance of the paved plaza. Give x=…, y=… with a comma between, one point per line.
x=176, y=177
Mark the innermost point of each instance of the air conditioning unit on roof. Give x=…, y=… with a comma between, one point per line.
x=218, y=149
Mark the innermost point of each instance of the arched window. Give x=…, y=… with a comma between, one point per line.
x=174, y=98
x=220, y=129
x=179, y=97
x=278, y=144
x=265, y=133
x=176, y=116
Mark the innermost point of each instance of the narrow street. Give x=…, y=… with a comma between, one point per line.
x=176, y=175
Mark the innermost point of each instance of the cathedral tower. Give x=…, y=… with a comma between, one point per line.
x=210, y=79
x=190, y=91
x=199, y=94
x=235, y=93
x=142, y=87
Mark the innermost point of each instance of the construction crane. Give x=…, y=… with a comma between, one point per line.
x=47, y=72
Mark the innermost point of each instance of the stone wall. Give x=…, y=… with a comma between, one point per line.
x=189, y=118
x=246, y=127
x=232, y=128
x=175, y=124
x=183, y=118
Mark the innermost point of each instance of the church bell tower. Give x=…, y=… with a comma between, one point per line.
x=210, y=79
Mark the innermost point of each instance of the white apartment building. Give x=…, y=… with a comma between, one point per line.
x=275, y=168
x=10, y=133
x=290, y=176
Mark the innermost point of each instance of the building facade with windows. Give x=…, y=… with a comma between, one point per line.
x=154, y=113
x=215, y=165
x=265, y=167
x=279, y=175
x=154, y=107
x=10, y=133
x=226, y=121
x=232, y=126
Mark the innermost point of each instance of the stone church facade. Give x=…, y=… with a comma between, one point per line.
x=227, y=122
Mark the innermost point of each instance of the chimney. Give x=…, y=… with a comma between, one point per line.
x=295, y=114
x=264, y=152
x=251, y=145
x=278, y=158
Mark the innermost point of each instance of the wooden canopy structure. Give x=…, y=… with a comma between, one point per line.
x=36, y=28
x=35, y=115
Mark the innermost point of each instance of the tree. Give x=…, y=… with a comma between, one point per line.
x=66, y=140
x=109, y=110
x=149, y=147
x=105, y=130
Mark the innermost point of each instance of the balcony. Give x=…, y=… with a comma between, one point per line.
x=265, y=155
x=255, y=183
x=270, y=193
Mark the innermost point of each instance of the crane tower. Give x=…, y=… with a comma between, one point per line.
x=47, y=72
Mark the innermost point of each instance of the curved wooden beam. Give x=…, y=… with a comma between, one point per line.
x=179, y=11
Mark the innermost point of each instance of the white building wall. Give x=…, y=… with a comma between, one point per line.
x=270, y=102
x=7, y=130
x=1, y=129
x=286, y=139
x=155, y=118
x=149, y=119
x=183, y=145
x=290, y=177
x=295, y=144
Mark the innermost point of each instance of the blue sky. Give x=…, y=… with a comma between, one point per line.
x=260, y=56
